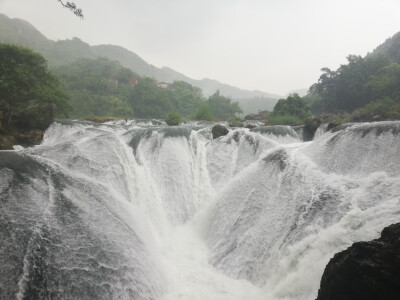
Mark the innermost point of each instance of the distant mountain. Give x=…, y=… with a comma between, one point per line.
x=255, y=105
x=17, y=31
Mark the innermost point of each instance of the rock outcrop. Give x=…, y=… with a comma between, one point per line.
x=25, y=138
x=366, y=270
x=219, y=130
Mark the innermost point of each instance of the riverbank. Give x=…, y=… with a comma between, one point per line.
x=26, y=138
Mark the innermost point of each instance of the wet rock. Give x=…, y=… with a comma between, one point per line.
x=250, y=126
x=29, y=138
x=219, y=130
x=24, y=138
x=311, y=125
x=6, y=142
x=366, y=270
x=261, y=116
x=252, y=117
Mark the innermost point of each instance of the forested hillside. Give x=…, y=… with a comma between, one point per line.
x=366, y=86
x=57, y=53
x=103, y=87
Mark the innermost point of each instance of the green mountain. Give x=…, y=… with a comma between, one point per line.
x=366, y=87
x=57, y=53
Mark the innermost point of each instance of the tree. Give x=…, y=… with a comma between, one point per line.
x=150, y=101
x=71, y=6
x=185, y=97
x=345, y=89
x=386, y=82
x=293, y=105
x=173, y=119
x=222, y=108
x=203, y=113
x=27, y=86
x=99, y=87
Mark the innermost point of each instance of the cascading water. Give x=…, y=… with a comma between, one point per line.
x=136, y=210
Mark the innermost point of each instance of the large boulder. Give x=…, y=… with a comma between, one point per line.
x=219, y=130
x=366, y=270
x=311, y=125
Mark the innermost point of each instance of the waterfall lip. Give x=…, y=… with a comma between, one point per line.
x=278, y=130
x=392, y=127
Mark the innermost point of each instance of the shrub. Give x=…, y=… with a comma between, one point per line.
x=379, y=110
x=173, y=119
x=284, y=120
x=235, y=122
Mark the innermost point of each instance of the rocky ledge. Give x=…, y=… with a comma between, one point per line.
x=366, y=270
x=219, y=130
x=24, y=138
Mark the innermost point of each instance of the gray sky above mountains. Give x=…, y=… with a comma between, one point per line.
x=271, y=45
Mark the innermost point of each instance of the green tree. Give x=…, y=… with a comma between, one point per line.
x=27, y=85
x=203, y=112
x=185, y=97
x=385, y=83
x=98, y=87
x=173, y=119
x=120, y=108
x=222, y=108
x=345, y=89
x=149, y=101
x=293, y=105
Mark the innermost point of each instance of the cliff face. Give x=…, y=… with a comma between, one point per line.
x=366, y=270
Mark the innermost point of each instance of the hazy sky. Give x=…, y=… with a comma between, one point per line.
x=272, y=45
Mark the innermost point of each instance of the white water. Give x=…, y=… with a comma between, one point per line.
x=177, y=215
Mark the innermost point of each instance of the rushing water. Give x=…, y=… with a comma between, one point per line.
x=135, y=210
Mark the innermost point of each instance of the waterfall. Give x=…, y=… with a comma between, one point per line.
x=138, y=210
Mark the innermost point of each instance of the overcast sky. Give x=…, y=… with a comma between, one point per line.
x=272, y=45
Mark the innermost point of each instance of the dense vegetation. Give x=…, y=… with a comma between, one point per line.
x=292, y=110
x=366, y=87
x=64, y=52
x=30, y=96
x=97, y=87
x=221, y=107
x=104, y=88
x=349, y=87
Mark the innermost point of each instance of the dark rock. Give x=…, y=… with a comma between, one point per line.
x=366, y=270
x=261, y=116
x=219, y=130
x=252, y=117
x=29, y=138
x=332, y=125
x=6, y=142
x=250, y=126
x=24, y=138
x=311, y=125
x=303, y=133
